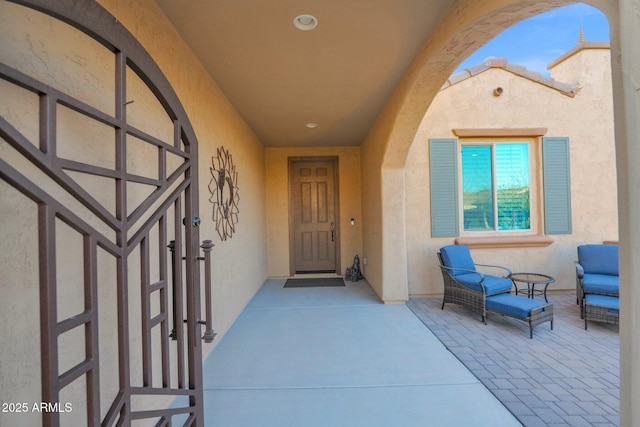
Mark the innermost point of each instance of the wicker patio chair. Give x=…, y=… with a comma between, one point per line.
x=597, y=277
x=464, y=284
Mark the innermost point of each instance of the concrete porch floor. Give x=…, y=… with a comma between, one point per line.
x=336, y=356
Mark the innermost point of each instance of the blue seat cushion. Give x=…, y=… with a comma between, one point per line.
x=513, y=305
x=492, y=284
x=612, y=303
x=457, y=256
x=601, y=283
x=599, y=259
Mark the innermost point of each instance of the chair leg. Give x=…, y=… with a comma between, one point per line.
x=442, y=308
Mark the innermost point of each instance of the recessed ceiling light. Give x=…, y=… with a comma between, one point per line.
x=311, y=125
x=305, y=22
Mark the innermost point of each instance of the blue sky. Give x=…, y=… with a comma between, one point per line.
x=536, y=42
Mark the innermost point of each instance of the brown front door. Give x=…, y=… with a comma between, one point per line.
x=314, y=215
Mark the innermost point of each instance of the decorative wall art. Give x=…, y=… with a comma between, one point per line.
x=223, y=187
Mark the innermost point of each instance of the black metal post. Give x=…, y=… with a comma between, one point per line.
x=209, y=335
x=172, y=248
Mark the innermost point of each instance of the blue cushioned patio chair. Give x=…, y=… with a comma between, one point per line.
x=465, y=285
x=596, y=272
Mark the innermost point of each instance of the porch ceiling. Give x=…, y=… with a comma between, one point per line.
x=279, y=78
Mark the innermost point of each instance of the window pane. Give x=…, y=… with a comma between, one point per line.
x=477, y=187
x=512, y=182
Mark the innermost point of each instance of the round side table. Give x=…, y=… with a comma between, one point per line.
x=532, y=279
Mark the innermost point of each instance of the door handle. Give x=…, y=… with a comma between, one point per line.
x=333, y=230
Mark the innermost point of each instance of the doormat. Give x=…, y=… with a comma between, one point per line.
x=314, y=283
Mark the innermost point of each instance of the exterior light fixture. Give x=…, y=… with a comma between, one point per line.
x=305, y=22
x=311, y=125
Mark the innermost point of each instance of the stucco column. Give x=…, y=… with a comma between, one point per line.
x=394, y=237
x=626, y=78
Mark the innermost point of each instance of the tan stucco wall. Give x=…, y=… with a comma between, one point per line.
x=465, y=27
x=582, y=62
x=72, y=64
x=587, y=119
x=372, y=156
x=277, y=212
x=240, y=263
x=626, y=75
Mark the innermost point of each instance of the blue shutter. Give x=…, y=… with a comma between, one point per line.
x=557, y=185
x=443, y=169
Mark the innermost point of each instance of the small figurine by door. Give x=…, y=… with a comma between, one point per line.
x=353, y=273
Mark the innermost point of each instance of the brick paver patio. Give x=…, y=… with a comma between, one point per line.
x=564, y=377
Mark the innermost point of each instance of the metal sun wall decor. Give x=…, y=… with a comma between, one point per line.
x=223, y=187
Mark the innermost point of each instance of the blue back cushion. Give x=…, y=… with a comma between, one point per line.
x=457, y=256
x=599, y=259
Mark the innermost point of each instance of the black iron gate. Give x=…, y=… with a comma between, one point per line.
x=115, y=221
